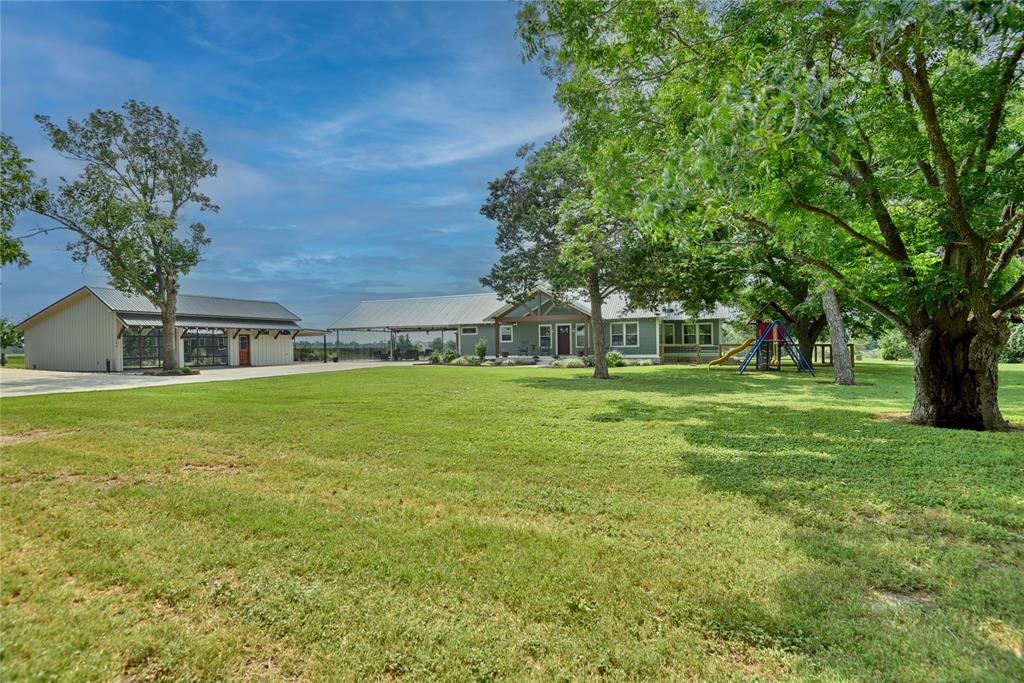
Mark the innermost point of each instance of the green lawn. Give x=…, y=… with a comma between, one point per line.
x=472, y=523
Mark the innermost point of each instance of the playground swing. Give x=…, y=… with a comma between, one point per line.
x=769, y=346
x=767, y=352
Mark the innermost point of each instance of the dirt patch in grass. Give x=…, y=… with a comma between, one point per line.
x=904, y=419
x=893, y=418
x=11, y=439
x=1004, y=636
x=890, y=599
x=212, y=468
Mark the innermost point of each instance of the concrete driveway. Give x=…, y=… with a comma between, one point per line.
x=17, y=382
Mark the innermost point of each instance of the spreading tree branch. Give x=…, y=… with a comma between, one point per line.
x=883, y=310
x=998, y=105
x=847, y=228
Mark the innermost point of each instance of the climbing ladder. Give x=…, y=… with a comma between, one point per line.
x=782, y=342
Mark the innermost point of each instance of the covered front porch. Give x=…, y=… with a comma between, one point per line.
x=539, y=326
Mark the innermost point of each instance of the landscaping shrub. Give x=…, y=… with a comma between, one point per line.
x=481, y=349
x=184, y=370
x=465, y=360
x=634, y=362
x=1014, y=350
x=515, y=361
x=614, y=359
x=435, y=358
x=449, y=355
x=571, y=362
x=893, y=346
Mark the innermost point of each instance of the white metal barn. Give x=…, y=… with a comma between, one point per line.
x=99, y=329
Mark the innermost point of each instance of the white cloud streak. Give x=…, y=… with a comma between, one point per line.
x=421, y=124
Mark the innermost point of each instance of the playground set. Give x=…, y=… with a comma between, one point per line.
x=768, y=346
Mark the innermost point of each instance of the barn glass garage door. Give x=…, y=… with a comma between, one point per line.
x=142, y=348
x=205, y=347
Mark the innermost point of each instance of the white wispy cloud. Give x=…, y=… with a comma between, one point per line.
x=237, y=181
x=420, y=124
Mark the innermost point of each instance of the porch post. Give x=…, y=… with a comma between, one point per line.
x=497, y=338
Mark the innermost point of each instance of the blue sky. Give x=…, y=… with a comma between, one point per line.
x=354, y=141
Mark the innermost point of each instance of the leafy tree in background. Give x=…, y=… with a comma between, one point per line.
x=1014, y=349
x=553, y=230
x=876, y=142
x=18, y=192
x=893, y=345
x=142, y=171
x=9, y=337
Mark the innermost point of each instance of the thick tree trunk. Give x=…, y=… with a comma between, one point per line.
x=842, y=364
x=957, y=375
x=807, y=333
x=597, y=327
x=169, y=333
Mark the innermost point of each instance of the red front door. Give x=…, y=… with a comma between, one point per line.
x=563, y=340
x=243, y=349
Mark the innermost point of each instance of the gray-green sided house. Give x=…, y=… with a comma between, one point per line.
x=540, y=325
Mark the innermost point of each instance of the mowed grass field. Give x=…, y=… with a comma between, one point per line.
x=511, y=523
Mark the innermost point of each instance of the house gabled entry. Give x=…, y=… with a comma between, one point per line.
x=555, y=323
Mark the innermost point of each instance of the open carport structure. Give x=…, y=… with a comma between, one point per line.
x=443, y=314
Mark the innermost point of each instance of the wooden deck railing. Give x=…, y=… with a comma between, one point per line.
x=821, y=354
x=682, y=353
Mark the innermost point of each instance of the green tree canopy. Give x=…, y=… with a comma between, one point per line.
x=553, y=230
x=877, y=142
x=142, y=169
x=18, y=193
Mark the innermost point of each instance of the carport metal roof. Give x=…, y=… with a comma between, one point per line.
x=449, y=312
x=421, y=313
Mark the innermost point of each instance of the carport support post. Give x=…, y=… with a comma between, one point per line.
x=497, y=337
x=325, y=347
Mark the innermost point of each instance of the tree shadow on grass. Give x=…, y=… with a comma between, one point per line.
x=882, y=385
x=914, y=536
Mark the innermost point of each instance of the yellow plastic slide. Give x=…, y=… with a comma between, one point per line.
x=732, y=352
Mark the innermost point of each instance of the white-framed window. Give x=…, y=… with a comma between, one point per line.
x=468, y=330
x=506, y=333
x=694, y=333
x=689, y=333
x=544, y=337
x=704, y=332
x=625, y=334
x=581, y=335
x=668, y=333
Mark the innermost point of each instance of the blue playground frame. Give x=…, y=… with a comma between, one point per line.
x=761, y=350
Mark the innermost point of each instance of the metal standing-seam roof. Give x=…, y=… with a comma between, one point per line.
x=448, y=312
x=179, y=321
x=193, y=305
x=192, y=311
x=422, y=313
